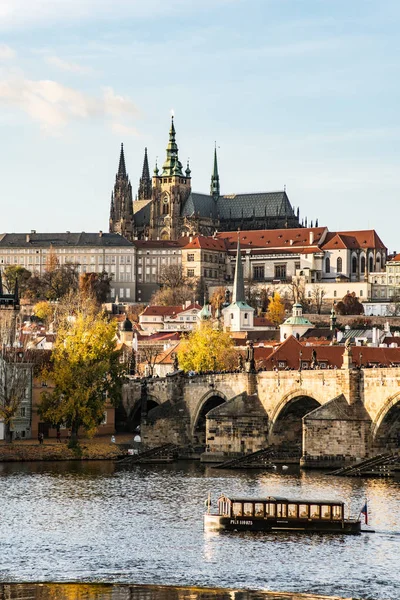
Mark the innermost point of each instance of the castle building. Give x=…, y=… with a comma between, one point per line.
x=166, y=208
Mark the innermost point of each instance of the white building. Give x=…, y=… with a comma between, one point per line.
x=90, y=252
x=238, y=316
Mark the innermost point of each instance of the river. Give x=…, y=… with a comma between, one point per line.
x=96, y=522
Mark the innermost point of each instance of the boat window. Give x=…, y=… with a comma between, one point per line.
x=292, y=511
x=281, y=510
x=223, y=506
x=315, y=511
x=303, y=511
x=270, y=510
x=259, y=509
x=248, y=509
x=325, y=511
x=336, y=513
x=237, y=509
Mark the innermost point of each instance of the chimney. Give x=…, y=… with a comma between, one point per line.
x=311, y=237
x=33, y=231
x=190, y=238
x=28, y=238
x=100, y=233
x=291, y=242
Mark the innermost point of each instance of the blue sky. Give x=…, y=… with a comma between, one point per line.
x=302, y=93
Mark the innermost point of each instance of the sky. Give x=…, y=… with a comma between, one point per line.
x=295, y=93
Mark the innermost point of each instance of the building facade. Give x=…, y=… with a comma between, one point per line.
x=90, y=252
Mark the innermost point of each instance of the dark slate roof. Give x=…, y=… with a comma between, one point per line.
x=141, y=210
x=46, y=240
x=237, y=206
x=201, y=204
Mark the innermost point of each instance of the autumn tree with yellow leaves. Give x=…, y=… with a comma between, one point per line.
x=86, y=372
x=207, y=349
x=276, y=309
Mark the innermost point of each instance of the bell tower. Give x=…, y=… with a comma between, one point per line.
x=121, y=210
x=170, y=191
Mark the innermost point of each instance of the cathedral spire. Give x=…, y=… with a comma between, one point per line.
x=214, y=188
x=121, y=167
x=144, y=191
x=238, y=282
x=172, y=165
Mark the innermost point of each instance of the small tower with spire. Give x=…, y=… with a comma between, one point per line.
x=238, y=316
x=144, y=191
x=214, y=187
x=170, y=190
x=121, y=209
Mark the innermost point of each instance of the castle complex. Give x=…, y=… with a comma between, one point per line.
x=166, y=208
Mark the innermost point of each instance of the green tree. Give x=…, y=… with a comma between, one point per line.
x=11, y=274
x=207, y=349
x=276, y=309
x=86, y=371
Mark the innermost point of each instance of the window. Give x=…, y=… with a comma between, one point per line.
x=281, y=510
x=280, y=271
x=22, y=411
x=327, y=265
x=339, y=265
x=248, y=509
x=128, y=292
x=354, y=265
x=121, y=292
x=314, y=511
x=258, y=272
x=190, y=257
x=371, y=264
x=334, y=293
x=259, y=509
x=336, y=513
x=362, y=264
x=292, y=510
x=325, y=511
x=237, y=509
x=361, y=293
x=190, y=272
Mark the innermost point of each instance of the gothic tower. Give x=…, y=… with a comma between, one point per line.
x=214, y=188
x=121, y=211
x=170, y=191
x=144, y=191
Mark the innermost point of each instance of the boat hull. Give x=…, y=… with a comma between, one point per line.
x=222, y=523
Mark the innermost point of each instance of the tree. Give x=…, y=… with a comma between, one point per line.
x=96, y=285
x=173, y=296
x=318, y=294
x=13, y=273
x=44, y=311
x=172, y=276
x=86, y=372
x=15, y=375
x=148, y=356
x=207, y=349
x=218, y=298
x=276, y=309
x=349, y=305
x=54, y=283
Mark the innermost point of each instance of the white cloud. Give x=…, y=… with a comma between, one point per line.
x=6, y=52
x=69, y=67
x=53, y=105
x=124, y=130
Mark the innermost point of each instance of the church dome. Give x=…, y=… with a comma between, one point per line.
x=127, y=325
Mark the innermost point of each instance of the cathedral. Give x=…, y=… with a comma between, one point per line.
x=165, y=207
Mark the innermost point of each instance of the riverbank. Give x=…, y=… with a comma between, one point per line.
x=95, y=591
x=99, y=448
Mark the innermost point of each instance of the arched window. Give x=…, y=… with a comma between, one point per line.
x=354, y=265
x=165, y=208
x=327, y=265
x=339, y=265
x=371, y=264
x=363, y=264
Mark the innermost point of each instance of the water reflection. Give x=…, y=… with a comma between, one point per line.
x=135, y=592
x=96, y=522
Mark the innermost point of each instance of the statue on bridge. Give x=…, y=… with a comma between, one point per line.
x=175, y=362
x=250, y=362
x=240, y=362
x=314, y=362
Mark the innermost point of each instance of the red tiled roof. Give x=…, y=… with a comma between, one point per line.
x=207, y=243
x=353, y=239
x=161, y=311
x=263, y=322
x=289, y=353
x=275, y=238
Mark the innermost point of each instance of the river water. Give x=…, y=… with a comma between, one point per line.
x=96, y=522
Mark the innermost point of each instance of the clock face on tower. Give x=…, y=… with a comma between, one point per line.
x=165, y=199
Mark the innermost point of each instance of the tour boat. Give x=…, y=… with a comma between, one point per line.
x=279, y=514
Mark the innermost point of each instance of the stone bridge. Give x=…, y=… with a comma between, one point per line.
x=332, y=414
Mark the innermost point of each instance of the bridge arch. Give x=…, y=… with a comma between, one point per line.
x=385, y=429
x=286, y=424
x=129, y=417
x=210, y=400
